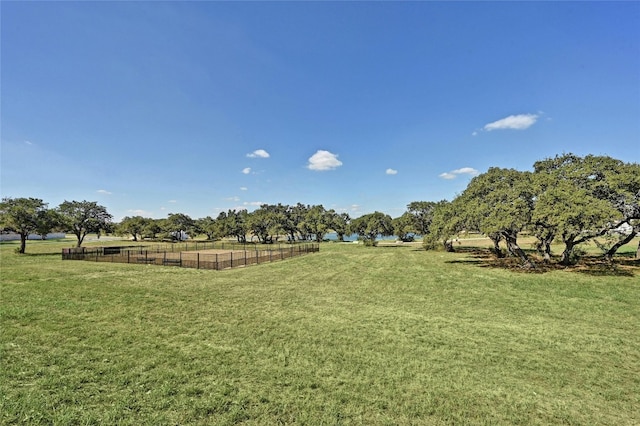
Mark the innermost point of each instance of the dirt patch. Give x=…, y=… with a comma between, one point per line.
x=215, y=251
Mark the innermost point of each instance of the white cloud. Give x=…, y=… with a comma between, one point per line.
x=474, y=134
x=517, y=122
x=243, y=188
x=172, y=201
x=236, y=199
x=246, y=170
x=103, y=191
x=323, y=160
x=455, y=173
x=258, y=153
x=253, y=203
x=391, y=172
x=140, y=212
x=447, y=175
x=466, y=170
x=28, y=142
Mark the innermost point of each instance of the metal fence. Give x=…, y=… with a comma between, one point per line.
x=190, y=255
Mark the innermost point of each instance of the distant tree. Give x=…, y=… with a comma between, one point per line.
x=260, y=223
x=82, y=217
x=340, y=223
x=48, y=221
x=179, y=224
x=134, y=226
x=318, y=221
x=21, y=215
x=422, y=214
x=445, y=224
x=286, y=220
x=223, y=224
x=369, y=226
x=266, y=223
x=152, y=228
x=404, y=227
x=235, y=223
x=295, y=225
x=210, y=227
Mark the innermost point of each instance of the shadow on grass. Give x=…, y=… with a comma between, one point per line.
x=597, y=266
x=621, y=266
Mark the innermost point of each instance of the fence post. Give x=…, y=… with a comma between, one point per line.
x=128, y=256
x=232, y=259
x=217, y=266
x=245, y=256
x=197, y=258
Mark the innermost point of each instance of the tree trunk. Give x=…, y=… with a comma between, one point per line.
x=23, y=243
x=566, y=254
x=514, y=248
x=496, y=246
x=448, y=246
x=80, y=237
x=545, y=238
x=609, y=254
x=544, y=249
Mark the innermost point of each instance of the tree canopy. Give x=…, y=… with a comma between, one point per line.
x=134, y=226
x=370, y=226
x=567, y=198
x=82, y=217
x=22, y=216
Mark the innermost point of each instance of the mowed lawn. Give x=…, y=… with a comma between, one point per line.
x=349, y=335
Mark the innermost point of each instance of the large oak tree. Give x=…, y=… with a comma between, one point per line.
x=83, y=217
x=499, y=203
x=582, y=198
x=22, y=216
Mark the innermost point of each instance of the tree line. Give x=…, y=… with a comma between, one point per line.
x=567, y=199
x=268, y=224
x=276, y=222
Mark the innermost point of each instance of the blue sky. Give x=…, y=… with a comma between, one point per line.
x=198, y=107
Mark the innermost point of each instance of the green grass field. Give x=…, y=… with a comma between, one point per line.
x=350, y=335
